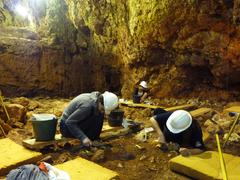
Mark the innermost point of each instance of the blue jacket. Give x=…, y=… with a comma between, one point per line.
x=82, y=117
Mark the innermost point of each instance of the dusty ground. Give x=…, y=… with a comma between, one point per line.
x=130, y=157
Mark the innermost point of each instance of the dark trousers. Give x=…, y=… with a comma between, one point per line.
x=64, y=130
x=91, y=127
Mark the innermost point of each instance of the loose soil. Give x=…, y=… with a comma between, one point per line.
x=130, y=157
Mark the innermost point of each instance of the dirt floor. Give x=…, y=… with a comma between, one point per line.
x=128, y=155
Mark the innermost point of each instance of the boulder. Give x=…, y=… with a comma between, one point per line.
x=17, y=113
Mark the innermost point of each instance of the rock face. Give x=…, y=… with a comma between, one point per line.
x=179, y=47
x=30, y=66
x=16, y=113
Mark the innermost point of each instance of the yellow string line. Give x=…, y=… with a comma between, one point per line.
x=222, y=163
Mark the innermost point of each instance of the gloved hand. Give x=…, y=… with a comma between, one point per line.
x=165, y=147
x=87, y=142
x=185, y=152
x=173, y=146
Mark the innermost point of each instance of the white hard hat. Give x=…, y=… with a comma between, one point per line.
x=143, y=84
x=110, y=102
x=179, y=121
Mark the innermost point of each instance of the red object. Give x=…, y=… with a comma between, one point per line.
x=43, y=167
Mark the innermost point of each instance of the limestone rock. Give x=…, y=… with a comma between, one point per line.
x=99, y=156
x=22, y=101
x=120, y=165
x=213, y=129
x=16, y=112
x=208, y=123
x=146, y=112
x=237, y=129
x=225, y=124
x=233, y=138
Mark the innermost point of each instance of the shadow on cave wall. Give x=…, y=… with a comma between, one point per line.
x=112, y=78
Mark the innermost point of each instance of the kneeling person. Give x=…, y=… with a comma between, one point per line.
x=179, y=127
x=83, y=117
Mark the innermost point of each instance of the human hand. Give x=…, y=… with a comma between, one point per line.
x=87, y=142
x=185, y=152
x=173, y=146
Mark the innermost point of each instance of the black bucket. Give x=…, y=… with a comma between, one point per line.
x=116, y=118
x=44, y=127
x=136, y=98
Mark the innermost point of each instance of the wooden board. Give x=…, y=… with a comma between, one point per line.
x=14, y=155
x=200, y=111
x=233, y=109
x=80, y=168
x=140, y=105
x=37, y=145
x=107, y=128
x=131, y=104
x=115, y=134
x=174, y=108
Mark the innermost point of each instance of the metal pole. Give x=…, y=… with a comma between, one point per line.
x=222, y=163
x=231, y=130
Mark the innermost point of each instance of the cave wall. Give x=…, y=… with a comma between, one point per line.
x=50, y=55
x=179, y=47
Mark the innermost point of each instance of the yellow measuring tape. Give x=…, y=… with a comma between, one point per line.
x=222, y=163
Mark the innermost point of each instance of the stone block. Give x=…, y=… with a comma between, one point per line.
x=206, y=166
x=14, y=155
x=80, y=168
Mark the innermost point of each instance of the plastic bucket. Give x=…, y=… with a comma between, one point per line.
x=44, y=126
x=116, y=118
x=136, y=98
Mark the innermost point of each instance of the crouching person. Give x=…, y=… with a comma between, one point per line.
x=83, y=117
x=179, y=127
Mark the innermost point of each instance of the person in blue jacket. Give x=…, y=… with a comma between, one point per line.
x=83, y=117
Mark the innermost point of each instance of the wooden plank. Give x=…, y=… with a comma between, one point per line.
x=140, y=105
x=233, y=109
x=131, y=104
x=33, y=144
x=14, y=155
x=174, y=108
x=200, y=111
x=107, y=128
x=115, y=134
x=36, y=145
x=80, y=168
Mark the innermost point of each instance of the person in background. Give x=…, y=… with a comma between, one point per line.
x=140, y=92
x=179, y=127
x=84, y=115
